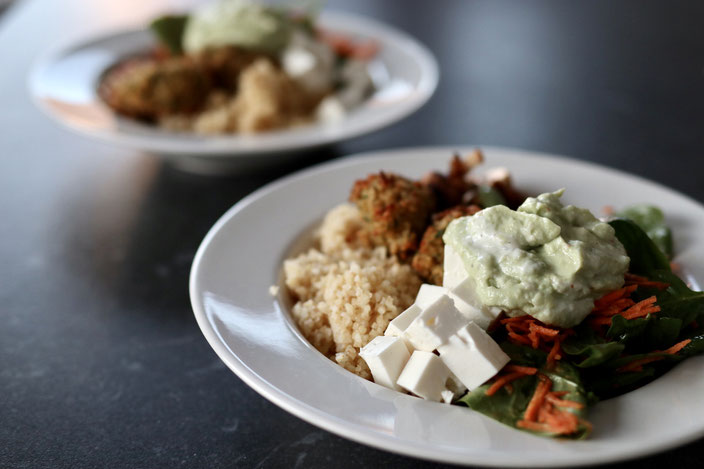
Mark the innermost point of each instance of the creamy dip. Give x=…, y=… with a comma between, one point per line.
x=547, y=260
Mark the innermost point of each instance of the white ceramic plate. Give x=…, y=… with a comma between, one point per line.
x=253, y=334
x=63, y=84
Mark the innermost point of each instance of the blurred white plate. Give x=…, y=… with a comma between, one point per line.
x=63, y=84
x=253, y=333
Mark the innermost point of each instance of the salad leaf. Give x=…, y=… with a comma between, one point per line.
x=508, y=407
x=169, y=31
x=678, y=301
x=645, y=256
x=488, y=197
x=649, y=333
x=588, y=349
x=652, y=221
x=695, y=347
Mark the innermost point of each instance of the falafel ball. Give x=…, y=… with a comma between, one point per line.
x=145, y=88
x=395, y=211
x=429, y=259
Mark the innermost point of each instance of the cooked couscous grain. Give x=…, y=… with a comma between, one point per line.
x=347, y=294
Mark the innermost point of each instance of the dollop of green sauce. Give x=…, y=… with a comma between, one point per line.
x=547, y=260
x=238, y=23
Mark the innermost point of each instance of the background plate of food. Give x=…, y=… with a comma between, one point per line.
x=188, y=85
x=243, y=294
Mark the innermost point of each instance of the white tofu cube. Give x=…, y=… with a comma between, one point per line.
x=386, y=357
x=453, y=389
x=454, y=384
x=454, y=270
x=447, y=396
x=401, y=322
x=427, y=295
x=465, y=302
x=425, y=376
x=462, y=290
x=435, y=324
x=473, y=356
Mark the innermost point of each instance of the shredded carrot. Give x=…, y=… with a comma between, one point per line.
x=503, y=381
x=561, y=422
x=516, y=319
x=526, y=330
x=528, y=370
x=554, y=354
x=553, y=399
x=677, y=347
x=637, y=365
x=346, y=47
x=519, y=338
x=600, y=321
x=535, y=426
x=642, y=308
x=538, y=329
x=514, y=372
x=547, y=412
x=614, y=308
x=536, y=401
x=613, y=296
x=632, y=279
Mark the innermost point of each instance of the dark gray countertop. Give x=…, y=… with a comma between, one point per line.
x=101, y=361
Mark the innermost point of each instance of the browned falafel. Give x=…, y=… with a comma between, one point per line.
x=395, y=210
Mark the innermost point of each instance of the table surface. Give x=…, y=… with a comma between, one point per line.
x=102, y=363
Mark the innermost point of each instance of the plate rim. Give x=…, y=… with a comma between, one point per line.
x=353, y=430
x=233, y=146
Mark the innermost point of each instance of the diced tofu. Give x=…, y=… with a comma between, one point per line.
x=427, y=295
x=447, y=396
x=461, y=289
x=454, y=384
x=401, y=322
x=463, y=296
x=473, y=356
x=454, y=271
x=425, y=376
x=435, y=324
x=386, y=357
x=453, y=389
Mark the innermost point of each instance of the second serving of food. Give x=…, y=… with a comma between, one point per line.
x=460, y=289
x=239, y=66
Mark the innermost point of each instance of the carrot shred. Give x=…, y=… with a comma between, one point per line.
x=632, y=279
x=514, y=319
x=538, y=329
x=547, y=412
x=554, y=354
x=553, y=399
x=536, y=401
x=535, y=426
x=677, y=347
x=503, y=381
x=514, y=372
x=642, y=308
x=519, y=338
x=528, y=370
x=613, y=296
x=637, y=365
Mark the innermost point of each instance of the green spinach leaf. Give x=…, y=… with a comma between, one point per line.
x=645, y=255
x=652, y=221
x=508, y=407
x=169, y=31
